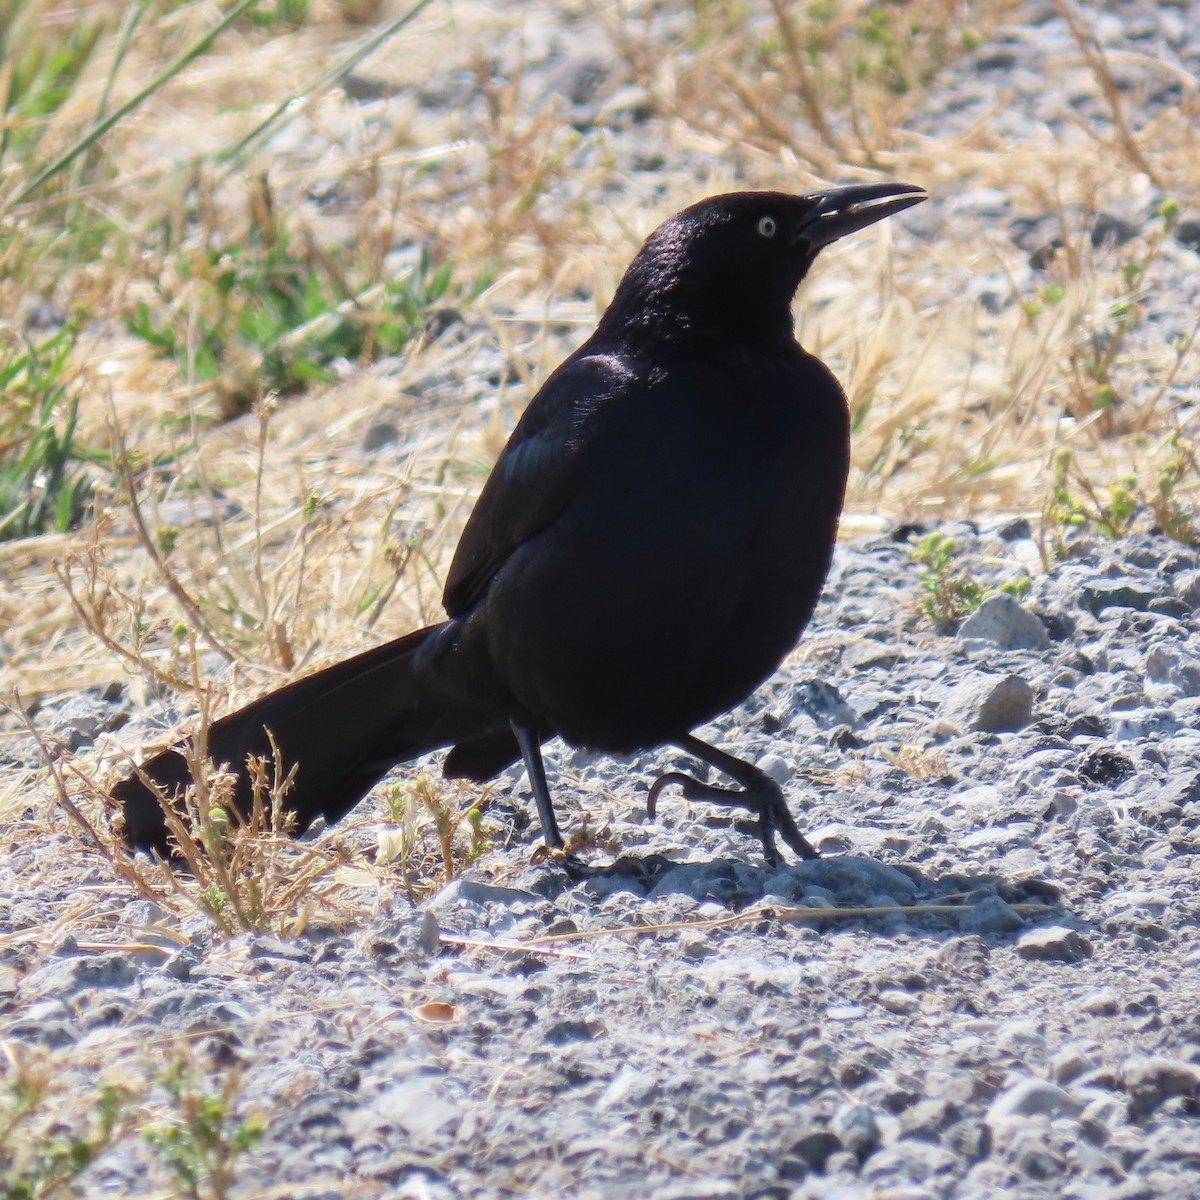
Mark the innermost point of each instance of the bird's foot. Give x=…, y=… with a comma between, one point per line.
x=762, y=796
x=572, y=865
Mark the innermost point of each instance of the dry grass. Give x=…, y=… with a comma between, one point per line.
x=271, y=542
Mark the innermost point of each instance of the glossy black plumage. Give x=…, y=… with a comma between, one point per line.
x=648, y=548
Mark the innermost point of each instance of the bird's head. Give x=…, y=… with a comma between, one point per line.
x=730, y=265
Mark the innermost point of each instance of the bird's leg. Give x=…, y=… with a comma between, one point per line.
x=531, y=752
x=759, y=793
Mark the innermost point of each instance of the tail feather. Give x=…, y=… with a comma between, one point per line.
x=482, y=758
x=343, y=728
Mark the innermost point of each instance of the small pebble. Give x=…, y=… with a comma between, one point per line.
x=1054, y=943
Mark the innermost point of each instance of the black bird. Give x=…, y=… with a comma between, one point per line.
x=648, y=548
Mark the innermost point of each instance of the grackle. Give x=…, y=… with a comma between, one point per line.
x=648, y=548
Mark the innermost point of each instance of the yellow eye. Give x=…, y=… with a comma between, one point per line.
x=767, y=227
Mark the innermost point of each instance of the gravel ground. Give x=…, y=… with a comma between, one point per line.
x=1040, y=770
x=715, y=1031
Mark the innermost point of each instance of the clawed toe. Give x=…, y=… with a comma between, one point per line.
x=690, y=785
x=760, y=794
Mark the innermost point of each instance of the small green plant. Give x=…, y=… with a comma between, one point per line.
x=1172, y=516
x=896, y=50
x=290, y=14
x=1074, y=502
x=44, y=485
x=1049, y=295
x=44, y=61
x=946, y=594
x=948, y=591
x=41, y=1153
x=204, y=1138
x=1093, y=363
x=424, y=807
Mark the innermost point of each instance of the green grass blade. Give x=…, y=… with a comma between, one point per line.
x=290, y=109
x=100, y=128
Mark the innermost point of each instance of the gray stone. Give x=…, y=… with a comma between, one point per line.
x=1116, y=593
x=429, y=938
x=1028, y=1098
x=969, y=955
x=929, y=1118
x=694, y=945
x=446, y=898
x=853, y=880
x=1187, y=587
x=424, y=1108
x=1167, y=664
x=990, y=916
x=815, y=1147
x=908, y=1160
x=1071, y=1062
x=990, y=703
x=1054, y=943
x=1001, y=621
x=897, y=1000
x=63, y=976
x=776, y=767
x=1102, y=1110
x=266, y=946
x=480, y=891
x=857, y=1128
x=379, y=433
x=1150, y=1081
x=181, y=964
x=822, y=702
x=1145, y=722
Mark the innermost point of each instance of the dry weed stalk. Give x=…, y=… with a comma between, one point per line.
x=918, y=762
x=94, y=836
x=1097, y=61
x=116, y=619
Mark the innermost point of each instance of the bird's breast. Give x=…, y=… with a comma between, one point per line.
x=697, y=542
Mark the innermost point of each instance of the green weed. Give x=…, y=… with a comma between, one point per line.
x=947, y=590
x=202, y=1143
x=286, y=13
x=1074, y=502
x=44, y=483
x=424, y=809
x=1176, y=518
x=272, y=312
x=41, y=1152
x=1092, y=362
x=44, y=60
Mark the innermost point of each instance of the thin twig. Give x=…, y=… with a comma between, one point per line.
x=452, y=939
x=97, y=630
x=124, y=471
x=777, y=914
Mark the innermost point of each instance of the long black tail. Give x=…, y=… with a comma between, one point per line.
x=343, y=727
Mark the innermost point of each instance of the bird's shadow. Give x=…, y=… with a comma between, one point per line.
x=837, y=887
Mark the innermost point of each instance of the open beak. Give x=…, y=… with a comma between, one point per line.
x=844, y=210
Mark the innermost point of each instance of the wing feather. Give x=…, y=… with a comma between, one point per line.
x=535, y=476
